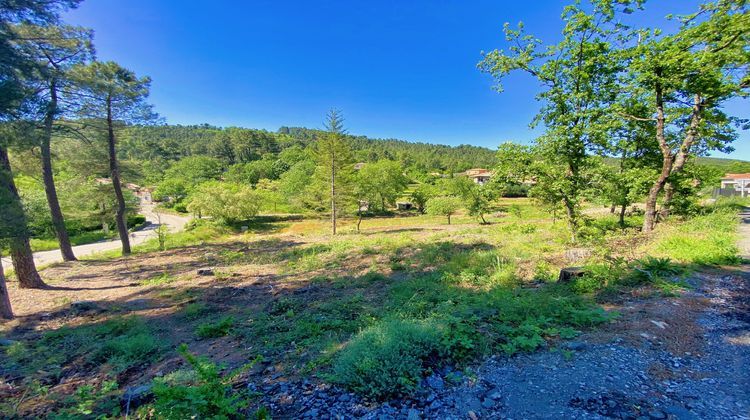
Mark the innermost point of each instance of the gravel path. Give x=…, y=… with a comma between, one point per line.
x=175, y=223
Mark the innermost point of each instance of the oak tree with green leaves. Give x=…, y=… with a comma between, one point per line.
x=578, y=80
x=383, y=182
x=225, y=201
x=684, y=79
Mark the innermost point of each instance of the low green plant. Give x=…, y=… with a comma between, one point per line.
x=89, y=399
x=649, y=270
x=194, y=310
x=215, y=329
x=200, y=393
x=390, y=358
x=159, y=279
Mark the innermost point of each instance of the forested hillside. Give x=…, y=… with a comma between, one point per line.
x=241, y=145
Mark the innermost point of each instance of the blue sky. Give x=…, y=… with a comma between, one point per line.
x=397, y=69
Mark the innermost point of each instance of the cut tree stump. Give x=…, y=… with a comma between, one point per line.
x=568, y=274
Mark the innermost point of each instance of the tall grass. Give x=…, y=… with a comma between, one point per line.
x=708, y=238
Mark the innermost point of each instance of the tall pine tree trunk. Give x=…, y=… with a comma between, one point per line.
x=49, y=181
x=114, y=172
x=6, y=311
x=20, y=250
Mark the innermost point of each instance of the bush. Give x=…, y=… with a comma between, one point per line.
x=136, y=220
x=389, y=359
x=216, y=329
x=652, y=269
x=199, y=393
x=225, y=201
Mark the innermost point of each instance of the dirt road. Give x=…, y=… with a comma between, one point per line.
x=173, y=222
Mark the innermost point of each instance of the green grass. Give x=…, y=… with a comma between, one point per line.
x=215, y=329
x=119, y=343
x=709, y=238
x=378, y=311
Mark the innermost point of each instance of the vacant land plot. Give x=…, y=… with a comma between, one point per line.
x=373, y=313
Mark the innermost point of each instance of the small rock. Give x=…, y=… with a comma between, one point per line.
x=575, y=345
x=86, y=306
x=488, y=403
x=661, y=324
x=657, y=414
x=413, y=414
x=205, y=272
x=495, y=394
x=472, y=415
x=435, y=382
x=345, y=397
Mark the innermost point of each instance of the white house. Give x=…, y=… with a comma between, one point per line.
x=738, y=182
x=479, y=175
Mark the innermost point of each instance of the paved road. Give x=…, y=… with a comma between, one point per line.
x=173, y=222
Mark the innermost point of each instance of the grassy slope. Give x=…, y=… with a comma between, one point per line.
x=409, y=286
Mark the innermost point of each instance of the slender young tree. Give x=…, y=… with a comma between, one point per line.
x=578, y=77
x=54, y=50
x=112, y=97
x=335, y=163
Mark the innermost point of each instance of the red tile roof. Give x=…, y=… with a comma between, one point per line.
x=736, y=176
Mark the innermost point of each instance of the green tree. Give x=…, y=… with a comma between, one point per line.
x=114, y=96
x=443, y=206
x=477, y=198
x=15, y=96
x=621, y=186
x=225, y=201
x=383, y=181
x=55, y=50
x=295, y=184
x=578, y=79
x=684, y=79
x=181, y=178
x=421, y=194
x=334, y=164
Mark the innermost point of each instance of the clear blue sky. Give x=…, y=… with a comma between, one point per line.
x=397, y=69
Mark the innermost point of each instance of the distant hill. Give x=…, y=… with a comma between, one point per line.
x=172, y=142
x=725, y=165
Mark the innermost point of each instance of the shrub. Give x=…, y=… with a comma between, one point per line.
x=199, y=393
x=390, y=358
x=216, y=329
x=194, y=310
x=128, y=350
x=225, y=201
x=652, y=269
